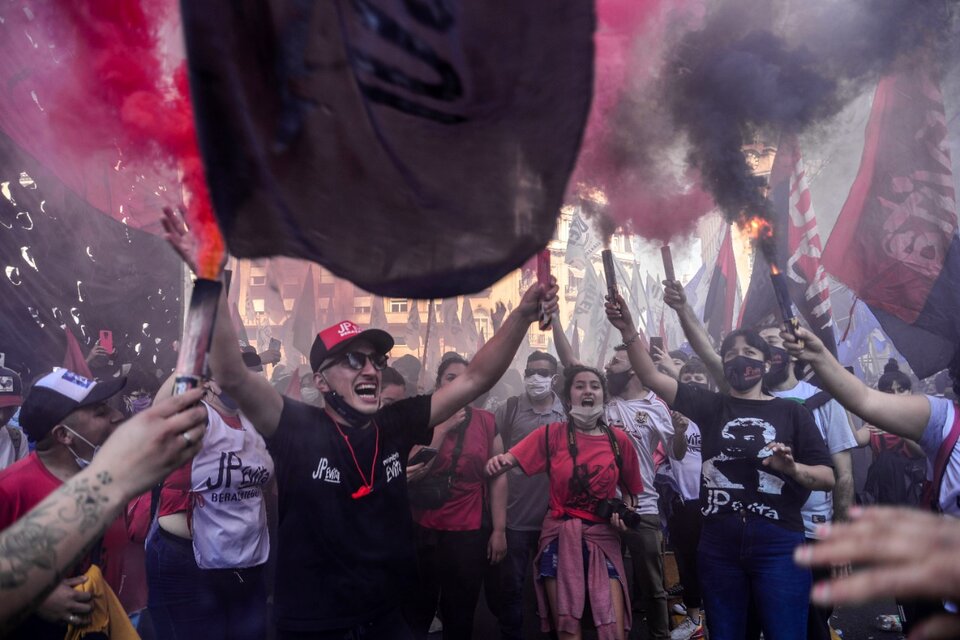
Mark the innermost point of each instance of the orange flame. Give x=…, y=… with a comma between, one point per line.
x=757, y=228
x=774, y=270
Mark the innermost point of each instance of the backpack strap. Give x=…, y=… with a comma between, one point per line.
x=510, y=415
x=546, y=440
x=931, y=494
x=817, y=400
x=461, y=435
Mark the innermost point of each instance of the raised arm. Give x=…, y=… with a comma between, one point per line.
x=660, y=383
x=675, y=298
x=256, y=397
x=905, y=416
x=492, y=360
x=39, y=548
x=564, y=350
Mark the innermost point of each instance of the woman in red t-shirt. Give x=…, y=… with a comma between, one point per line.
x=454, y=543
x=579, y=557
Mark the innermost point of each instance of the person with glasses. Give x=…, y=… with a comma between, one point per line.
x=454, y=543
x=346, y=554
x=527, y=496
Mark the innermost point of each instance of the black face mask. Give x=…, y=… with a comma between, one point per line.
x=779, y=363
x=617, y=382
x=353, y=417
x=700, y=385
x=742, y=373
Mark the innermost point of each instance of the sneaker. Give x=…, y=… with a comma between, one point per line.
x=689, y=629
x=679, y=608
x=436, y=626
x=675, y=591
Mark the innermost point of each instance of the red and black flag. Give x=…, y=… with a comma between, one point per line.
x=895, y=242
x=722, y=295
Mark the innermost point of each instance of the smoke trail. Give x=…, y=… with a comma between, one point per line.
x=119, y=95
x=757, y=65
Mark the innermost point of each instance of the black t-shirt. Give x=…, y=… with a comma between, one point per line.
x=342, y=561
x=734, y=433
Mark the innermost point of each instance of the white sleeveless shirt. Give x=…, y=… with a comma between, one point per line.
x=229, y=519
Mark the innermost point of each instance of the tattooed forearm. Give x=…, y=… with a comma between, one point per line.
x=39, y=548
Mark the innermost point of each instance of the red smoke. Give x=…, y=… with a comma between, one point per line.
x=119, y=97
x=627, y=133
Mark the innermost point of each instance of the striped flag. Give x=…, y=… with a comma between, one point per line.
x=798, y=250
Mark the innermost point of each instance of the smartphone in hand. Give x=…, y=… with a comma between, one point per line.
x=106, y=340
x=426, y=454
x=656, y=342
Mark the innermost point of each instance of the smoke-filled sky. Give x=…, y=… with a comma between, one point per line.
x=705, y=76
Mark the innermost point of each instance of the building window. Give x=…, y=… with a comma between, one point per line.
x=288, y=304
x=361, y=309
x=258, y=305
x=258, y=276
x=400, y=341
x=398, y=305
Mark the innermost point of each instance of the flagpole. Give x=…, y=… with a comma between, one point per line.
x=426, y=341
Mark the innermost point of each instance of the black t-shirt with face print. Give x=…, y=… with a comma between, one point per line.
x=734, y=435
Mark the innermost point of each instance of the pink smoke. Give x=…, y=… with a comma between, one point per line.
x=627, y=131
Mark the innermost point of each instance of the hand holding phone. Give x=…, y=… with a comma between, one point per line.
x=106, y=340
x=656, y=342
x=426, y=454
x=274, y=345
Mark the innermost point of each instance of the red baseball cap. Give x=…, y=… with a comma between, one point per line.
x=336, y=339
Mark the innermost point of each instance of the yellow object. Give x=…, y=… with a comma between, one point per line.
x=108, y=616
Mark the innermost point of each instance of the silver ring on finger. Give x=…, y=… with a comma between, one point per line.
x=73, y=619
x=186, y=436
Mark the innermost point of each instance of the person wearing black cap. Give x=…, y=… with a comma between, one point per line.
x=13, y=444
x=68, y=418
x=346, y=550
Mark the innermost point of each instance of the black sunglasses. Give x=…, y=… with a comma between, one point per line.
x=357, y=360
x=546, y=373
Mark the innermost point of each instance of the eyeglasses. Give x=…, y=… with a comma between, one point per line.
x=357, y=360
x=546, y=373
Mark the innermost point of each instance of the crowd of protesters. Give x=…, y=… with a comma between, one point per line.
x=345, y=504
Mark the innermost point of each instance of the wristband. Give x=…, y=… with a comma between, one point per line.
x=632, y=339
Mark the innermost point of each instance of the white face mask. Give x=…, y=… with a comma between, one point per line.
x=83, y=463
x=310, y=395
x=538, y=387
x=586, y=418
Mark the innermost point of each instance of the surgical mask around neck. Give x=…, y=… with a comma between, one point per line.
x=586, y=418
x=538, y=387
x=83, y=463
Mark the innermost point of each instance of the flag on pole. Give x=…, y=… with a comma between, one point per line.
x=798, y=250
x=452, y=330
x=721, y=296
x=468, y=325
x=582, y=242
x=575, y=341
x=378, y=316
x=895, y=242
x=73, y=359
x=305, y=316
x=413, y=327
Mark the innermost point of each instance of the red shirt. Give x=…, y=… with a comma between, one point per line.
x=26, y=483
x=597, y=465
x=464, y=510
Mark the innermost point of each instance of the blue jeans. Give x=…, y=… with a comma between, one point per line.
x=515, y=570
x=746, y=556
x=187, y=602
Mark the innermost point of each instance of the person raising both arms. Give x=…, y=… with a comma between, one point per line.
x=762, y=456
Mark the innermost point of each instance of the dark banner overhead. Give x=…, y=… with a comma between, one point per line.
x=415, y=147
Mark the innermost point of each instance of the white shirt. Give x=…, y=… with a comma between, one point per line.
x=686, y=472
x=942, y=414
x=647, y=421
x=831, y=419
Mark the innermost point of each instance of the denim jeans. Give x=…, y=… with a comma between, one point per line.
x=744, y=557
x=390, y=626
x=187, y=602
x=515, y=570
